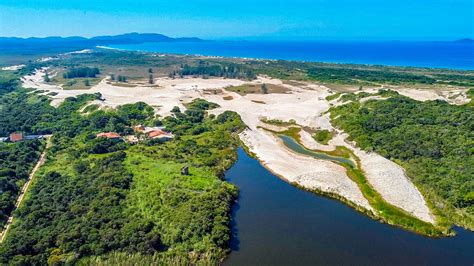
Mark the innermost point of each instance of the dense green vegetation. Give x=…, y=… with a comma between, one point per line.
x=349, y=74
x=323, y=136
x=228, y=71
x=16, y=161
x=96, y=197
x=470, y=95
x=432, y=140
x=81, y=72
x=8, y=82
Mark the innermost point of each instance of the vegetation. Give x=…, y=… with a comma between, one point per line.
x=81, y=72
x=349, y=75
x=470, y=95
x=249, y=88
x=333, y=96
x=204, y=68
x=432, y=140
x=277, y=122
x=95, y=199
x=121, y=78
x=20, y=111
x=361, y=75
x=323, y=136
x=8, y=82
x=16, y=162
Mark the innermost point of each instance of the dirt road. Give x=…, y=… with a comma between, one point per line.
x=25, y=187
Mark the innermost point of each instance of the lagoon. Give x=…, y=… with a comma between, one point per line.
x=275, y=223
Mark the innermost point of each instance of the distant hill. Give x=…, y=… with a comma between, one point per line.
x=130, y=38
x=465, y=40
x=35, y=44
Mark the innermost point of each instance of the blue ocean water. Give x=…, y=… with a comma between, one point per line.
x=455, y=55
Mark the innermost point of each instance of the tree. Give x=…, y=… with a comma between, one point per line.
x=81, y=72
x=112, y=77
x=87, y=83
x=176, y=110
x=46, y=78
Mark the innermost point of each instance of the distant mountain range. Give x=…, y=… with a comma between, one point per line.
x=54, y=44
x=128, y=38
x=34, y=45
x=465, y=40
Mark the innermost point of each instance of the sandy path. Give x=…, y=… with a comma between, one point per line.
x=25, y=187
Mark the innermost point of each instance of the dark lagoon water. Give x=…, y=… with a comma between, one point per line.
x=275, y=223
x=456, y=55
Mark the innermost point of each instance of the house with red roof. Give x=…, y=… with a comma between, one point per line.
x=109, y=135
x=158, y=134
x=15, y=137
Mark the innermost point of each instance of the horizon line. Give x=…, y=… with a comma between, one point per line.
x=259, y=38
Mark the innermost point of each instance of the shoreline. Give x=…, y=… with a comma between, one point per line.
x=469, y=68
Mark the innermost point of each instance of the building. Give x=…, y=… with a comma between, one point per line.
x=159, y=134
x=155, y=133
x=139, y=128
x=15, y=137
x=131, y=139
x=109, y=135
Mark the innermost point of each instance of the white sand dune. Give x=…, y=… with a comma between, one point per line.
x=387, y=177
x=13, y=68
x=306, y=105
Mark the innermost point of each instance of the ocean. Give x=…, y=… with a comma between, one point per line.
x=453, y=55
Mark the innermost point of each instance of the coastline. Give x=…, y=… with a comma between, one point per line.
x=276, y=50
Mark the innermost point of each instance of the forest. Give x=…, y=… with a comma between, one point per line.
x=8, y=82
x=204, y=68
x=94, y=198
x=16, y=162
x=81, y=72
x=432, y=140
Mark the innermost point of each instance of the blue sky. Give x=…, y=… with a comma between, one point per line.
x=243, y=19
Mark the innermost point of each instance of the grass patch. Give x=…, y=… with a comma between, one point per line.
x=333, y=96
x=258, y=89
x=278, y=122
x=323, y=136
